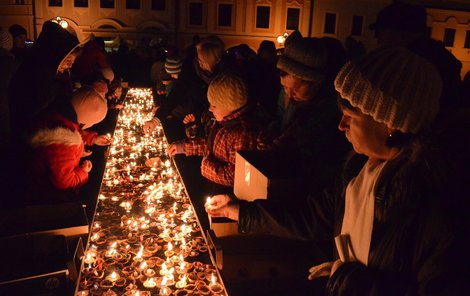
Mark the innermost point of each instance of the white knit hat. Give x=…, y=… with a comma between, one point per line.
x=6, y=40
x=227, y=90
x=394, y=86
x=90, y=107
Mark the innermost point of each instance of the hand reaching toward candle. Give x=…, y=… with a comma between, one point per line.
x=222, y=206
x=150, y=125
x=86, y=166
x=86, y=153
x=102, y=140
x=189, y=118
x=175, y=148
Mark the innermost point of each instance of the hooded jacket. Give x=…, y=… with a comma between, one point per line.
x=58, y=144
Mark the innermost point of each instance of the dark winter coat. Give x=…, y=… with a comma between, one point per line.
x=421, y=224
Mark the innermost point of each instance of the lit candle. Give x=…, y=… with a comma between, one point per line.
x=113, y=276
x=169, y=252
x=150, y=283
x=182, y=282
x=138, y=256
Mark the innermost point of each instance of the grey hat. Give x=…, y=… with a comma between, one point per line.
x=305, y=58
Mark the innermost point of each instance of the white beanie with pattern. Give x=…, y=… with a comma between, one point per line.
x=394, y=86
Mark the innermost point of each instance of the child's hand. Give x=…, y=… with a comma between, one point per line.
x=86, y=166
x=150, y=125
x=86, y=153
x=189, y=118
x=175, y=148
x=102, y=140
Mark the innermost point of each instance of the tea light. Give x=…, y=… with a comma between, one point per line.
x=150, y=283
x=114, y=276
x=169, y=252
x=214, y=286
x=182, y=282
x=138, y=256
x=164, y=289
x=89, y=259
x=149, y=272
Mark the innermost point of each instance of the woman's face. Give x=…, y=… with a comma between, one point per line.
x=366, y=135
x=297, y=89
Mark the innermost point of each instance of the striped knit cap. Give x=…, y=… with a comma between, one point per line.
x=6, y=41
x=394, y=86
x=227, y=90
x=173, y=65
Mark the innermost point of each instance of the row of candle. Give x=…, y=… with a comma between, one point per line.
x=145, y=238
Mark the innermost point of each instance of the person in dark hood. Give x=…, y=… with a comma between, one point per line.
x=33, y=86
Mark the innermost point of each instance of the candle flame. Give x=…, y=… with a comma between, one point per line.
x=213, y=281
x=164, y=280
x=141, y=251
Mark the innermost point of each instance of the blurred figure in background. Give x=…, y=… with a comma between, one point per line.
x=404, y=24
x=7, y=62
x=19, y=50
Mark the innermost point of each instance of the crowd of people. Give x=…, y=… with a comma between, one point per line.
x=380, y=139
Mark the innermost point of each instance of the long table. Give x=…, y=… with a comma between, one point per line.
x=145, y=238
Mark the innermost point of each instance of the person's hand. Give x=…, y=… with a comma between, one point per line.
x=86, y=153
x=217, y=201
x=86, y=166
x=116, y=106
x=175, y=148
x=325, y=269
x=222, y=206
x=102, y=140
x=189, y=118
x=150, y=125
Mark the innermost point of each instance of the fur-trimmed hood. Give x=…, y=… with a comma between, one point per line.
x=58, y=135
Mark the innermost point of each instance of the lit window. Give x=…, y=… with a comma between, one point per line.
x=225, y=15
x=357, y=21
x=293, y=16
x=330, y=23
x=262, y=17
x=55, y=2
x=449, y=36
x=195, y=13
x=133, y=4
x=467, y=40
x=158, y=4
x=107, y=3
x=80, y=3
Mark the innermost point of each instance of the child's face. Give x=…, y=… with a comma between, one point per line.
x=219, y=111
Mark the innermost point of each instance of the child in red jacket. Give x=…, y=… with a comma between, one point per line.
x=59, y=144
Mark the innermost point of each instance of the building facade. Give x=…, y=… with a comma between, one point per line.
x=236, y=22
